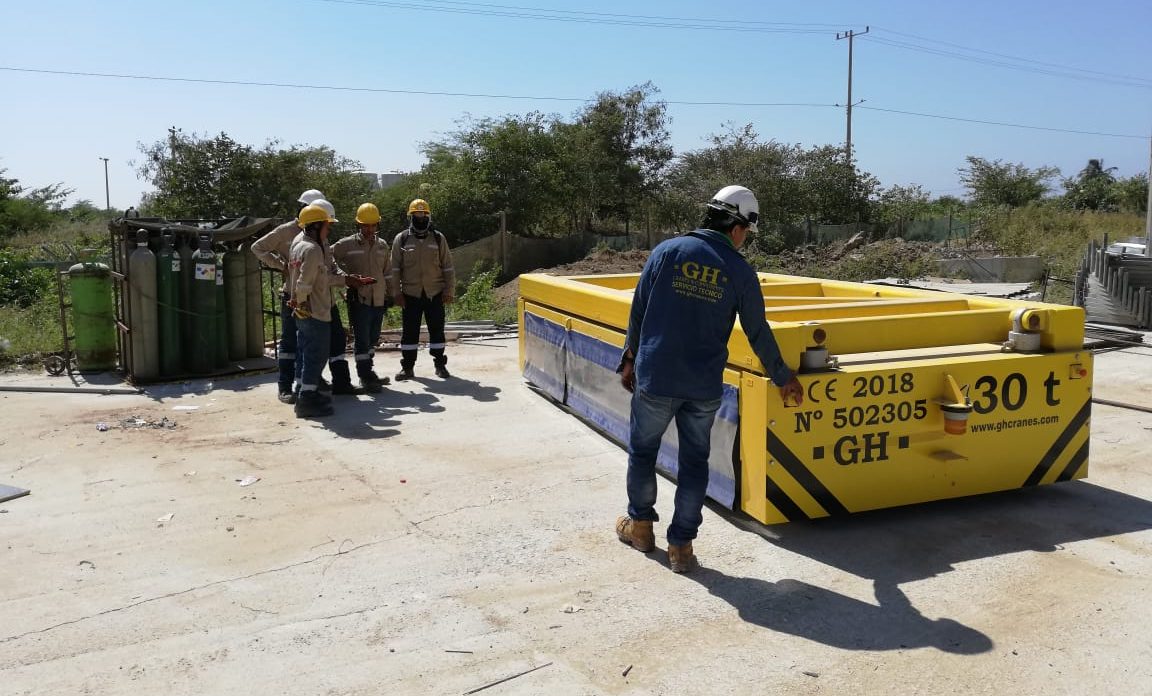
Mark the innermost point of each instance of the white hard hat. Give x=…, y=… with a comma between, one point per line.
x=309, y=197
x=328, y=208
x=738, y=202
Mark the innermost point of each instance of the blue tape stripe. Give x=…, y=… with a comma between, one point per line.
x=551, y=386
x=547, y=330
x=604, y=419
x=730, y=404
x=594, y=350
x=607, y=356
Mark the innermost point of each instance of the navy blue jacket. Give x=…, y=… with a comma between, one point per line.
x=683, y=311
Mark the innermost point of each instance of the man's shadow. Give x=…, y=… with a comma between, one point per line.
x=378, y=416
x=807, y=611
x=908, y=544
x=455, y=386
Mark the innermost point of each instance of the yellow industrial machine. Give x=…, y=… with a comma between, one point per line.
x=911, y=395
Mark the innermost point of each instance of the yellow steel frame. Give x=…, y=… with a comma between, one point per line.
x=872, y=433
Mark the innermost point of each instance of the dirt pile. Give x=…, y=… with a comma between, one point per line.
x=598, y=262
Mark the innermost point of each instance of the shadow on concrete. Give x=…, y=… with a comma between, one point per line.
x=376, y=416
x=896, y=546
x=207, y=385
x=919, y=541
x=456, y=386
x=823, y=616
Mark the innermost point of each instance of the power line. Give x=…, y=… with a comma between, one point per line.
x=1015, y=58
x=527, y=12
x=528, y=97
x=572, y=16
x=1069, y=73
x=1004, y=123
x=385, y=90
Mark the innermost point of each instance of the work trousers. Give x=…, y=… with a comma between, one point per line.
x=417, y=309
x=337, y=350
x=286, y=348
x=366, y=321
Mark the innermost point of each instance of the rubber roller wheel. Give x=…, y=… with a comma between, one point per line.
x=55, y=365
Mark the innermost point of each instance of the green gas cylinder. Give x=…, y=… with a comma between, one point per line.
x=93, y=318
x=202, y=343
x=187, y=248
x=168, y=278
x=221, y=315
x=236, y=293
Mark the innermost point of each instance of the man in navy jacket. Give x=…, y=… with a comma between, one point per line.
x=685, y=305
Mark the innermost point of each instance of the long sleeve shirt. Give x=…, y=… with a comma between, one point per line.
x=690, y=292
x=273, y=248
x=422, y=265
x=356, y=256
x=311, y=276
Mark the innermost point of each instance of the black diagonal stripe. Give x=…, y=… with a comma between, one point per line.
x=804, y=477
x=783, y=503
x=1078, y=460
x=1058, y=446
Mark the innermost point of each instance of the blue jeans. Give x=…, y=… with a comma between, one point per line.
x=286, y=348
x=650, y=418
x=312, y=352
x=366, y=321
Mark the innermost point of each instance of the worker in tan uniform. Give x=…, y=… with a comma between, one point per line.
x=311, y=277
x=366, y=254
x=272, y=249
x=424, y=282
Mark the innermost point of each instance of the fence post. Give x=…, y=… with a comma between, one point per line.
x=504, y=251
x=648, y=223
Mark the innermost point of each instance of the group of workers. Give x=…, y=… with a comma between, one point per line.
x=688, y=297
x=415, y=273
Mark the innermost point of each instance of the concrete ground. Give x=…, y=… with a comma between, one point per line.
x=445, y=535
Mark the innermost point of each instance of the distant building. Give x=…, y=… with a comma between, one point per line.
x=371, y=177
x=382, y=181
x=391, y=179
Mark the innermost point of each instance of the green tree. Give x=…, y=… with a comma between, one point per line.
x=736, y=155
x=834, y=191
x=630, y=146
x=1092, y=189
x=902, y=204
x=217, y=177
x=996, y=183
x=504, y=164
x=791, y=183
x=23, y=211
x=1131, y=193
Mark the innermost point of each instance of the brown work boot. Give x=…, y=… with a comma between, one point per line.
x=638, y=533
x=681, y=558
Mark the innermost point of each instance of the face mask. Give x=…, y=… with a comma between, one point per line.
x=420, y=222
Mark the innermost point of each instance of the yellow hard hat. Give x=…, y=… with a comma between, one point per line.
x=312, y=213
x=419, y=206
x=367, y=214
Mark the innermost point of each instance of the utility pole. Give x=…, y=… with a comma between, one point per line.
x=1148, y=213
x=850, y=34
x=107, y=197
x=172, y=141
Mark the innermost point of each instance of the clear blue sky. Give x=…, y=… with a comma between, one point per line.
x=56, y=127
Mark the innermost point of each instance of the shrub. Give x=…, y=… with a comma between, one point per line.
x=22, y=285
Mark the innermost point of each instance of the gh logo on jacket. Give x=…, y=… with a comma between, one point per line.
x=699, y=282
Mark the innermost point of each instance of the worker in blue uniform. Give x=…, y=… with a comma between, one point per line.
x=691, y=291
